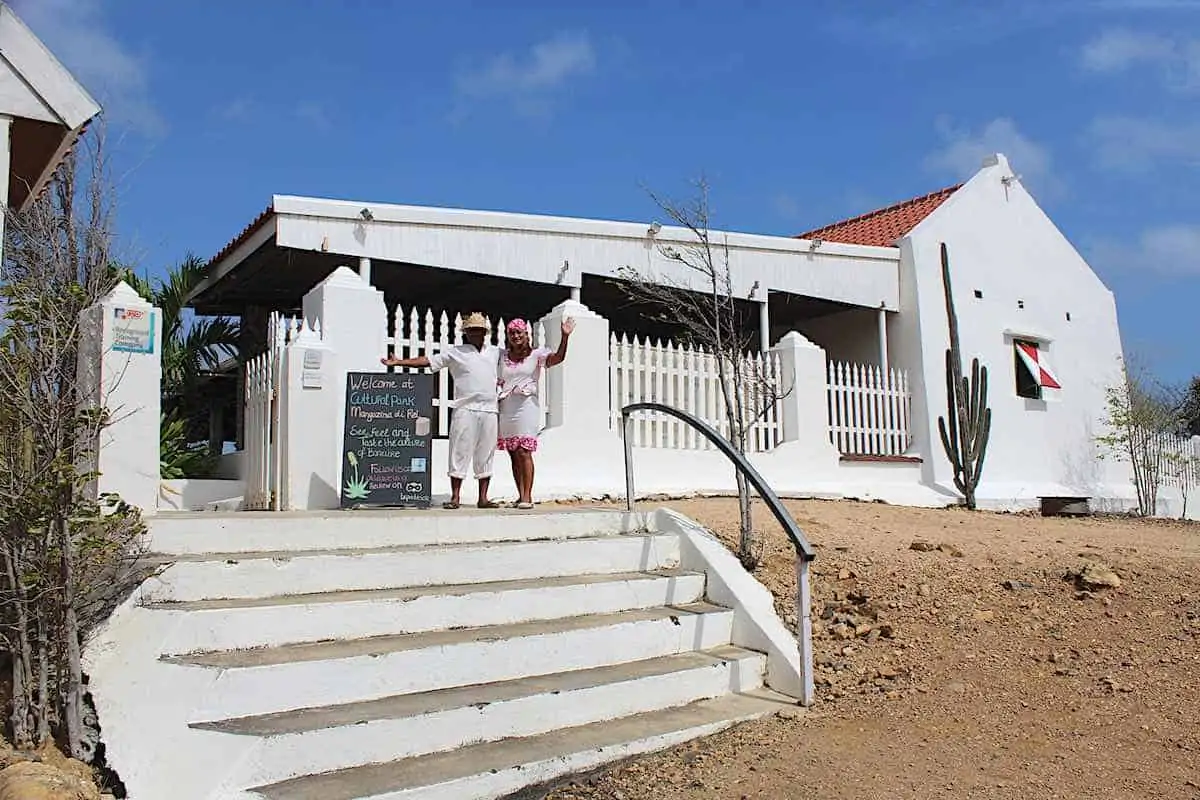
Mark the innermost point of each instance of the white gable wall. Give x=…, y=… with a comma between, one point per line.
x=1003, y=244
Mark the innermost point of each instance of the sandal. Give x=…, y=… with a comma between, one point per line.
x=525, y=506
x=488, y=504
x=450, y=505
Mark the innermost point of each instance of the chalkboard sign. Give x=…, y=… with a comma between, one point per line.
x=388, y=441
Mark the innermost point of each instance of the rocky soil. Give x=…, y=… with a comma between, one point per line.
x=964, y=655
x=44, y=775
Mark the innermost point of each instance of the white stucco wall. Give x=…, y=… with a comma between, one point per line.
x=851, y=336
x=1002, y=244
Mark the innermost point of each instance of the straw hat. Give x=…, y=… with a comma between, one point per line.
x=476, y=321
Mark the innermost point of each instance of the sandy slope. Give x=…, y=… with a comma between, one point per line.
x=984, y=690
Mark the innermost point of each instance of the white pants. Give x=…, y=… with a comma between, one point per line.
x=472, y=439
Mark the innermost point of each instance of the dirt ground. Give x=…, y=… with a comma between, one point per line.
x=974, y=670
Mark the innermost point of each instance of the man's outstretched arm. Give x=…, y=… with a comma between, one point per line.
x=392, y=361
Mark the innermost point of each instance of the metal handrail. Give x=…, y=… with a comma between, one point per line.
x=804, y=549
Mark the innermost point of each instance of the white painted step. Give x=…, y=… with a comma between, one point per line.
x=494, y=769
x=333, y=737
x=249, y=531
x=231, y=624
x=265, y=574
x=266, y=680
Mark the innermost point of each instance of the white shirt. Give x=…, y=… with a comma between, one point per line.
x=475, y=374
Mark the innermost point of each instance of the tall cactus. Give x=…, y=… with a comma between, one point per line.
x=968, y=422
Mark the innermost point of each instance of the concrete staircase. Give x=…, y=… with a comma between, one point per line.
x=426, y=655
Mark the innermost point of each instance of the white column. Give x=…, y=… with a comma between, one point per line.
x=805, y=408
x=764, y=325
x=120, y=369
x=5, y=167
x=883, y=340
x=578, y=388
x=364, y=270
x=575, y=294
x=310, y=396
x=353, y=323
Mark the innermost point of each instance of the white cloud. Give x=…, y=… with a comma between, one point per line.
x=75, y=31
x=962, y=152
x=1171, y=251
x=1120, y=50
x=529, y=80
x=1134, y=144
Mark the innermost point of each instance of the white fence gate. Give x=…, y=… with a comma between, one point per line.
x=688, y=379
x=869, y=410
x=265, y=456
x=417, y=334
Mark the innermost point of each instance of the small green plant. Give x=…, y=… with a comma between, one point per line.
x=179, y=458
x=356, y=487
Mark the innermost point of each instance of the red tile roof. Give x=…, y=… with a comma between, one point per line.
x=246, y=233
x=884, y=226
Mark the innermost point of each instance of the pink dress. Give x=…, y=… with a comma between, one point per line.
x=520, y=415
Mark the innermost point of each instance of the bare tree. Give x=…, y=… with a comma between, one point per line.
x=1144, y=428
x=702, y=307
x=63, y=556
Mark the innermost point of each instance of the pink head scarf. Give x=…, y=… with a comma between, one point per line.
x=517, y=326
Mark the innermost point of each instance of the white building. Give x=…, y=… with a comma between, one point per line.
x=862, y=300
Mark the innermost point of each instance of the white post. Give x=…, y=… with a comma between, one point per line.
x=764, y=325
x=5, y=165
x=578, y=388
x=364, y=270
x=120, y=369
x=575, y=294
x=352, y=319
x=310, y=396
x=804, y=630
x=804, y=417
x=883, y=341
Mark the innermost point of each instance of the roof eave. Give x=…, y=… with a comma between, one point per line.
x=45, y=74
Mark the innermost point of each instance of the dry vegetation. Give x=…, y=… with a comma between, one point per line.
x=975, y=668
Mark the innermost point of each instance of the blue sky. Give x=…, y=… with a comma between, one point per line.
x=799, y=113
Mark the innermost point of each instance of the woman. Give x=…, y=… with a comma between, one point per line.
x=520, y=415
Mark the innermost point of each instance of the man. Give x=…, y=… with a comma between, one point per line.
x=474, y=367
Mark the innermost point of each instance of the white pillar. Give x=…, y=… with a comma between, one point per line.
x=364, y=270
x=353, y=323
x=5, y=167
x=764, y=325
x=120, y=369
x=883, y=340
x=310, y=396
x=805, y=409
x=577, y=389
x=575, y=294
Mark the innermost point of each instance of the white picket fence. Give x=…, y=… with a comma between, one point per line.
x=263, y=448
x=1174, y=459
x=417, y=333
x=687, y=378
x=869, y=410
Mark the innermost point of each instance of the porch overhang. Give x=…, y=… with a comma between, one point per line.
x=48, y=108
x=298, y=241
